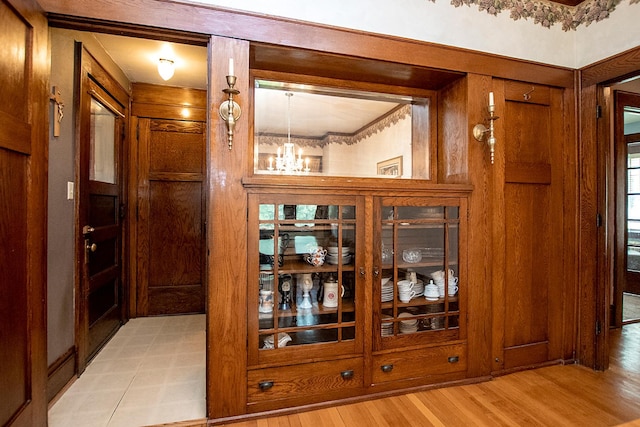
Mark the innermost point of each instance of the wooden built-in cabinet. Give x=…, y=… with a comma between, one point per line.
x=342, y=327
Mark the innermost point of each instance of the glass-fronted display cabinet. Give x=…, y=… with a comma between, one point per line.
x=419, y=284
x=304, y=277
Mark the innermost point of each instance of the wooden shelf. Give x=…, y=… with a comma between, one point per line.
x=318, y=309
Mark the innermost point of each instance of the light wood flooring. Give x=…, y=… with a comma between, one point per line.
x=630, y=308
x=552, y=396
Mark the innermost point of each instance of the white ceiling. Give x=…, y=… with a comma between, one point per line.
x=138, y=59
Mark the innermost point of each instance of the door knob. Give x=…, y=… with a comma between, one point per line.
x=92, y=247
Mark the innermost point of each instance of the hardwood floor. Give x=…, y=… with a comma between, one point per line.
x=569, y=395
x=630, y=308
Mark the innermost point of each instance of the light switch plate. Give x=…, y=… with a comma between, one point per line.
x=70, y=190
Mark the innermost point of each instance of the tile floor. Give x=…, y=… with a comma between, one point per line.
x=151, y=372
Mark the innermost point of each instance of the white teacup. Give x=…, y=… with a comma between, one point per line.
x=453, y=289
x=406, y=296
x=438, y=275
x=405, y=285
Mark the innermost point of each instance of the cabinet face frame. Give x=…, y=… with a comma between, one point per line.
x=397, y=340
x=303, y=353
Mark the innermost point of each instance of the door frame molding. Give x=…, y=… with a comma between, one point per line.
x=597, y=213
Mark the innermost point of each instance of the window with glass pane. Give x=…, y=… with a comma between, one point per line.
x=307, y=274
x=633, y=206
x=102, y=162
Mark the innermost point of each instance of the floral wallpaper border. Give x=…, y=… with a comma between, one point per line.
x=547, y=13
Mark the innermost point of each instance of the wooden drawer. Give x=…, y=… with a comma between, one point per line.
x=304, y=380
x=404, y=365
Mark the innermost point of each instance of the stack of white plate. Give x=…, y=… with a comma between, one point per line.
x=408, y=326
x=387, y=327
x=387, y=291
x=337, y=255
x=418, y=288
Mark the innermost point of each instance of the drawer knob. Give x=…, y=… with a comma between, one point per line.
x=453, y=359
x=347, y=375
x=387, y=368
x=265, y=385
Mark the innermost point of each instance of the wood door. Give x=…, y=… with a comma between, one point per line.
x=171, y=203
x=527, y=226
x=24, y=99
x=100, y=144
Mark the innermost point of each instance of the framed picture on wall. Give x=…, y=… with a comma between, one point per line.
x=390, y=167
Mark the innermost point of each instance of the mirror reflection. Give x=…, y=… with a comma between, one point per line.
x=311, y=130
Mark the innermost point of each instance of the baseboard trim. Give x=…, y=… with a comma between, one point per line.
x=60, y=373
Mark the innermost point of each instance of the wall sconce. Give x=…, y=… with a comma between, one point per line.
x=230, y=110
x=166, y=68
x=480, y=131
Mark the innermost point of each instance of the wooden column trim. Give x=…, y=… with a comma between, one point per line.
x=227, y=236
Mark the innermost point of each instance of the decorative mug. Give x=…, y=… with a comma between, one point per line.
x=330, y=298
x=316, y=257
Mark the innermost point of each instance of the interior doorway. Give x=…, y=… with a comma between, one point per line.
x=118, y=301
x=626, y=292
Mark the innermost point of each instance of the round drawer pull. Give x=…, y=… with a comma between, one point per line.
x=265, y=385
x=387, y=368
x=347, y=375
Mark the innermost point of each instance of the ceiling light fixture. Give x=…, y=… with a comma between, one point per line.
x=286, y=161
x=166, y=68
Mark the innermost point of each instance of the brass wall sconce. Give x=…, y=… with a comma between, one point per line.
x=480, y=130
x=230, y=110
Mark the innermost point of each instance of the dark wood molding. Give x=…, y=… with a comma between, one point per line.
x=271, y=33
x=612, y=69
x=595, y=261
x=60, y=373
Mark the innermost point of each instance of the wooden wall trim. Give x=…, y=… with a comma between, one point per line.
x=594, y=260
x=61, y=371
x=204, y=19
x=615, y=68
x=227, y=239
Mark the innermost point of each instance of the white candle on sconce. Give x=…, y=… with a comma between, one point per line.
x=270, y=163
x=306, y=162
x=491, y=102
x=278, y=152
x=300, y=153
x=231, y=66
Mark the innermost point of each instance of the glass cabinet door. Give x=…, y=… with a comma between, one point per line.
x=306, y=285
x=418, y=287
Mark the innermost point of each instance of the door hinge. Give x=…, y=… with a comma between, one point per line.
x=598, y=220
x=598, y=111
x=598, y=327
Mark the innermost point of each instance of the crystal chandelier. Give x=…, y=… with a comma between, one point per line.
x=286, y=160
